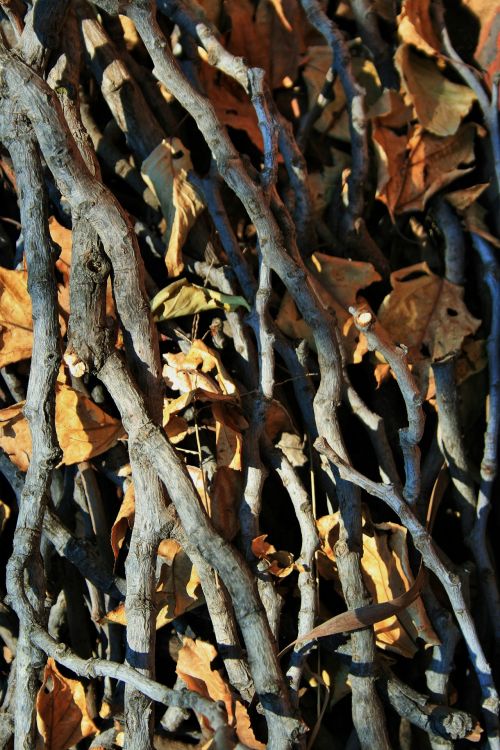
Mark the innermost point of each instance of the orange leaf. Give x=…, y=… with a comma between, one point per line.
x=194, y=667
x=124, y=520
x=62, y=715
x=16, y=327
x=83, y=429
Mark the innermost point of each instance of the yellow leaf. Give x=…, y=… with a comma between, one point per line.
x=165, y=171
x=83, y=429
x=426, y=313
x=62, y=715
x=194, y=667
x=183, y=298
x=440, y=105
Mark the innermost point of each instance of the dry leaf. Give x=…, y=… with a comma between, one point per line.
x=267, y=38
x=225, y=493
x=4, y=515
x=62, y=715
x=415, y=26
x=426, y=313
x=387, y=575
x=229, y=424
x=83, y=429
x=337, y=282
x=461, y=200
x=183, y=298
x=280, y=563
x=64, y=238
x=178, y=588
x=440, y=105
x=165, y=171
x=334, y=119
x=194, y=667
x=487, y=52
x=124, y=520
x=16, y=327
x=412, y=169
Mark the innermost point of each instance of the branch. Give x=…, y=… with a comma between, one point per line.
x=450, y=581
x=409, y=437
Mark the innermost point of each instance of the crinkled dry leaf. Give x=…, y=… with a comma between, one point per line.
x=280, y=562
x=267, y=38
x=194, y=667
x=412, y=169
x=487, y=52
x=426, y=313
x=16, y=327
x=461, y=200
x=387, y=576
x=62, y=714
x=337, y=282
x=183, y=298
x=124, y=520
x=83, y=429
x=440, y=105
x=178, y=589
x=225, y=492
x=415, y=26
x=165, y=171
x=229, y=424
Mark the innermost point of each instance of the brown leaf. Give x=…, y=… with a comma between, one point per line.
x=487, y=52
x=266, y=40
x=229, y=424
x=415, y=26
x=83, y=429
x=178, y=588
x=412, y=169
x=225, y=493
x=62, y=715
x=165, y=171
x=123, y=521
x=280, y=563
x=426, y=313
x=337, y=282
x=440, y=105
x=194, y=667
x=16, y=327
x=387, y=576
x=462, y=199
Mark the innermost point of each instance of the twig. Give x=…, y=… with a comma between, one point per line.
x=409, y=437
x=310, y=543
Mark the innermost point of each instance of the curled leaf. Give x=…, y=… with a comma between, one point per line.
x=183, y=298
